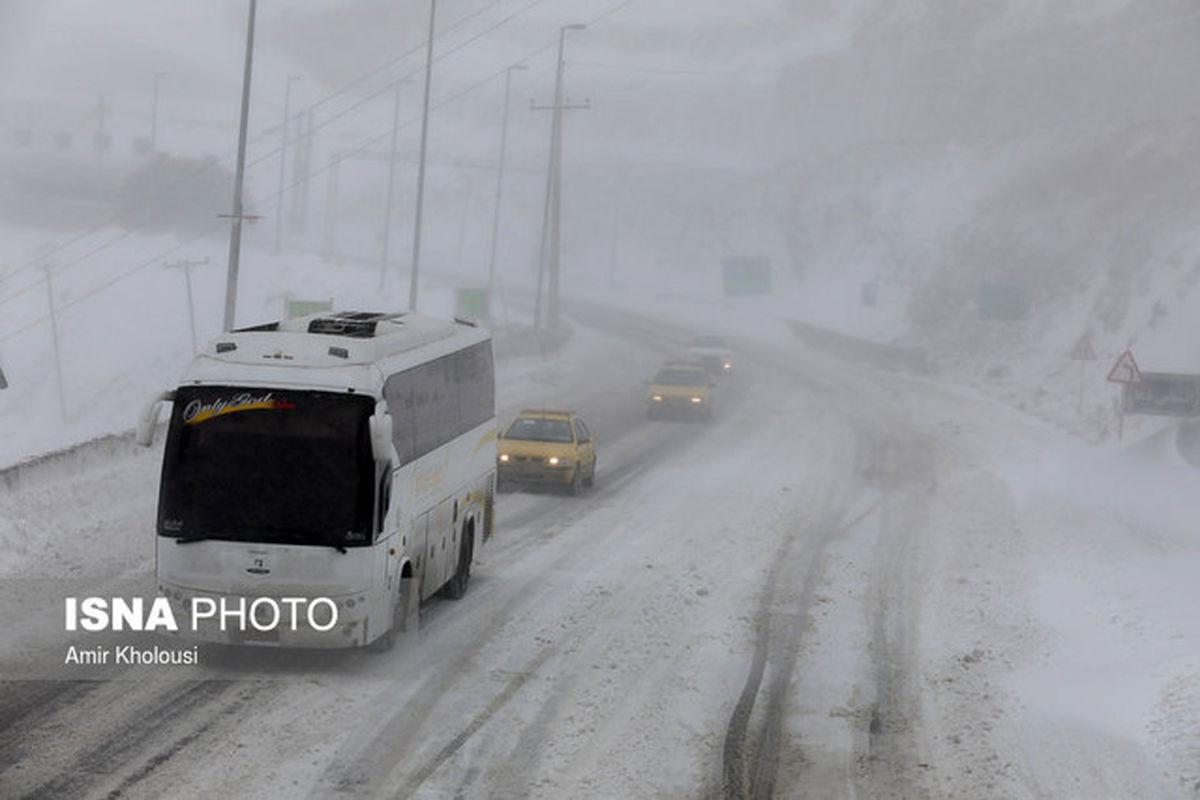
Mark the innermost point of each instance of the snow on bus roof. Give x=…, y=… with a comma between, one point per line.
x=338, y=338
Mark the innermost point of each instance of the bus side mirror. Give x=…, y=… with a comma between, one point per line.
x=149, y=419
x=381, y=433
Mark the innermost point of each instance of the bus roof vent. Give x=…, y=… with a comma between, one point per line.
x=355, y=324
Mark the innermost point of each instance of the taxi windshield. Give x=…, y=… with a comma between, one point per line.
x=540, y=430
x=673, y=376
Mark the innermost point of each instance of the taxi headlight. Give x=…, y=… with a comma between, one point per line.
x=504, y=456
x=657, y=398
x=552, y=461
x=727, y=365
x=696, y=399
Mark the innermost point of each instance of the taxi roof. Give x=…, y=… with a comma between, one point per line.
x=679, y=364
x=540, y=413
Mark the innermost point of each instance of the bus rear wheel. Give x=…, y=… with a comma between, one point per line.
x=404, y=618
x=456, y=588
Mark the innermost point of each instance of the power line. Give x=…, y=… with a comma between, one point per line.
x=678, y=70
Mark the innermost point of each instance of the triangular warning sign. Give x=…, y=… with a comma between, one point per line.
x=1125, y=370
x=1083, y=350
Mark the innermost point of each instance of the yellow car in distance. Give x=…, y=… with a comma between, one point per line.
x=680, y=388
x=546, y=447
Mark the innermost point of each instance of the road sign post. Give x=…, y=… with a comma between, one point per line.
x=1082, y=352
x=186, y=265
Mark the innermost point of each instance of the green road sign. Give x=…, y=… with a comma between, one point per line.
x=294, y=307
x=471, y=304
x=1004, y=299
x=746, y=275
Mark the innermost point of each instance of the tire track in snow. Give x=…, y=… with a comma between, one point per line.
x=241, y=705
x=904, y=471
x=23, y=701
x=514, y=685
x=750, y=755
x=148, y=723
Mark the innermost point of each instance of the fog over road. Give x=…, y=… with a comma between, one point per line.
x=742, y=608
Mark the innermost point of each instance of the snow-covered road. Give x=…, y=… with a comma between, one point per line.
x=829, y=591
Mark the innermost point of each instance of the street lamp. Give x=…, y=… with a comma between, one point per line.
x=391, y=185
x=239, y=175
x=414, y=278
x=500, y=178
x=154, y=113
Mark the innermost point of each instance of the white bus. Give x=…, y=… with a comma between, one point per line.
x=347, y=455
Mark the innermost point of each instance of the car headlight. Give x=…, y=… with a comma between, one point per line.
x=657, y=398
x=727, y=365
x=697, y=399
x=553, y=461
x=504, y=456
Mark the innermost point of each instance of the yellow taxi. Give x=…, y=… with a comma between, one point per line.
x=546, y=447
x=681, y=388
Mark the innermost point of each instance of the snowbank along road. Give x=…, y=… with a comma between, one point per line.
x=816, y=594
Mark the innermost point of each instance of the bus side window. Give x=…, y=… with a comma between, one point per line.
x=385, y=499
x=398, y=392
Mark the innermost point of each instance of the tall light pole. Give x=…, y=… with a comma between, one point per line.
x=235, y=233
x=552, y=211
x=154, y=113
x=287, y=102
x=391, y=188
x=500, y=179
x=416, y=254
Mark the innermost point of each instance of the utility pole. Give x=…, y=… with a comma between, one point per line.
x=305, y=146
x=235, y=235
x=287, y=100
x=301, y=161
x=102, y=141
x=186, y=265
x=551, y=236
x=154, y=114
x=58, y=372
x=331, y=207
x=500, y=179
x=416, y=255
x=391, y=189
x=616, y=236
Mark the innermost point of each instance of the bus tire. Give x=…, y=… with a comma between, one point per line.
x=387, y=642
x=456, y=587
x=405, y=620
